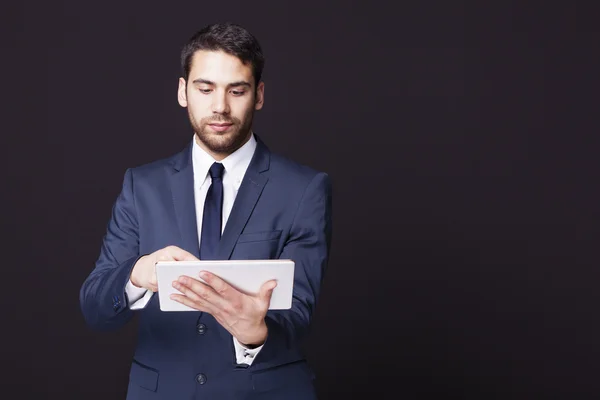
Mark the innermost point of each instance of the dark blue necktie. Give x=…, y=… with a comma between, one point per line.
x=213, y=214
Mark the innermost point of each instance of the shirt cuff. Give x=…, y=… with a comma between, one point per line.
x=244, y=355
x=137, y=297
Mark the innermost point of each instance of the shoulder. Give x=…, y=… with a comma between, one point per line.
x=297, y=176
x=158, y=168
x=292, y=169
x=290, y=175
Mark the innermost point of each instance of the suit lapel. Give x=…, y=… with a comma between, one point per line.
x=250, y=190
x=182, y=188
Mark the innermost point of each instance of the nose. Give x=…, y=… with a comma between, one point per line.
x=219, y=103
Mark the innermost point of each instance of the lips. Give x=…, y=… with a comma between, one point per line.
x=220, y=127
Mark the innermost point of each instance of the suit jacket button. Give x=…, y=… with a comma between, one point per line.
x=201, y=379
x=201, y=329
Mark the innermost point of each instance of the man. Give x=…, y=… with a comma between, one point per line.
x=225, y=196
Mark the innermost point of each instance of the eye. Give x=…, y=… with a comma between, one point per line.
x=204, y=91
x=237, y=92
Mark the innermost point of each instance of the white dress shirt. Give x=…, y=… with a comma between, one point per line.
x=235, y=165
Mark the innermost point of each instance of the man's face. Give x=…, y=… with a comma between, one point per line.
x=221, y=97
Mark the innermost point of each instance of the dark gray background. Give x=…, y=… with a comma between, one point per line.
x=462, y=141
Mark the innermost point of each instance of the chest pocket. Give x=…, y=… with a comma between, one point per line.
x=257, y=245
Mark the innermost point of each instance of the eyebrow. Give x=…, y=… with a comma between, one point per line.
x=232, y=84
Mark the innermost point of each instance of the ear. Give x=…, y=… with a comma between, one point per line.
x=181, y=93
x=260, y=96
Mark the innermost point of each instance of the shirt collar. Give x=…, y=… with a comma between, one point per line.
x=235, y=164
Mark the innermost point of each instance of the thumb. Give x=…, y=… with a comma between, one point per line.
x=189, y=257
x=180, y=254
x=266, y=290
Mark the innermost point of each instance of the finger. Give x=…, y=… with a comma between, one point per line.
x=205, y=294
x=219, y=285
x=196, y=290
x=178, y=254
x=153, y=284
x=190, y=289
x=153, y=281
x=266, y=290
x=190, y=303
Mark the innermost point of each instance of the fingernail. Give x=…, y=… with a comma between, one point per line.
x=182, y=279
x=176, y=285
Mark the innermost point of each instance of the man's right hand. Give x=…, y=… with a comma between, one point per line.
x=143, y=274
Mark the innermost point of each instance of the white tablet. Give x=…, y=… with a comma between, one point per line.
x=245, y=275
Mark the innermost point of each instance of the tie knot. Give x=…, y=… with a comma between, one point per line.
x=216, y=171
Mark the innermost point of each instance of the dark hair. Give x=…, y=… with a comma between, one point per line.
x=227, y=37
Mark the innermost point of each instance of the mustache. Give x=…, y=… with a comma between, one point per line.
x=219, y=119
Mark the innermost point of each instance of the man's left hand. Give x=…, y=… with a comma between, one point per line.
x=241, y=314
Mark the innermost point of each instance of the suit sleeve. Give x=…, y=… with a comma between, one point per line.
x=102, y=296
x=308, y=246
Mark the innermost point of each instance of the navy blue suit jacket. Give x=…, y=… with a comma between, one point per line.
x=282, y=210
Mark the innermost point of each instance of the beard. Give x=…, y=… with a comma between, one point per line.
x=222, y=143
